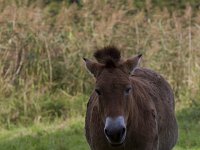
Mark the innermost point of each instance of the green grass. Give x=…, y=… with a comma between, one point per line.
x=189, y=128
x=69, y=135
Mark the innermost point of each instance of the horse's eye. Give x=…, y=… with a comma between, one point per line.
x=127, y=90
x=98, y=91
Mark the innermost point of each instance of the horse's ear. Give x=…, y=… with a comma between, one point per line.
x=93, y=67
x=130, y=64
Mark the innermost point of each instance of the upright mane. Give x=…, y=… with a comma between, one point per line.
x=109, y=56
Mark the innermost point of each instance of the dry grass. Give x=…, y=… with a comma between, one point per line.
x=41, y=53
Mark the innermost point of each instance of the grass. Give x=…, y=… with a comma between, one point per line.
x=69, y=135
x=41, y=54
x=57, y=136
x=189, y=127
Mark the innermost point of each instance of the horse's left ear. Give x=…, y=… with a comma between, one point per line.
x=130, y=64
x=93, y=67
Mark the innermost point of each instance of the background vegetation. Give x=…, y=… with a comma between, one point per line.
x=44, y=85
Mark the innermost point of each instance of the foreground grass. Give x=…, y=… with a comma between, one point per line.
x=69, y=135
x=189, y=128
x=56, y=136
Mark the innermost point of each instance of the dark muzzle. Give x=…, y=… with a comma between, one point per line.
x=115, y=130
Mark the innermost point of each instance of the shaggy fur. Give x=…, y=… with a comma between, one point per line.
x=109, y=56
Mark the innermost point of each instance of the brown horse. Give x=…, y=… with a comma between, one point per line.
x=131, y=108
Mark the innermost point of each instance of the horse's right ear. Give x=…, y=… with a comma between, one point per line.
x=131, y=63
x=93, y=67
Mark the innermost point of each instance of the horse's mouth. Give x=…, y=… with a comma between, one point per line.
x=115, y=131
x=117, y=144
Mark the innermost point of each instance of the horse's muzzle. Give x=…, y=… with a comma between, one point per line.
x=115, y=130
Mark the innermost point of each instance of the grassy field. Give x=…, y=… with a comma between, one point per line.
x=69, y=135
x=56, y=136
x=45, y=86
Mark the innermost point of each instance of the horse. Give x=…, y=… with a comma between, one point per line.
x=131, y=107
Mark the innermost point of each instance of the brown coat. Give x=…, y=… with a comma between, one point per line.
x=151, y=122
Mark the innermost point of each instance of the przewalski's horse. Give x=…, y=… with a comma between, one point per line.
x=131, y=108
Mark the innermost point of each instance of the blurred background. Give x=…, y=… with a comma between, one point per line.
x=44, y=86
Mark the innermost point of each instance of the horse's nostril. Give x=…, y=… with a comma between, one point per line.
x=123, y=131
x=106, y=132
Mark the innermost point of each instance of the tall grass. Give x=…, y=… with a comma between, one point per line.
x=41, y=50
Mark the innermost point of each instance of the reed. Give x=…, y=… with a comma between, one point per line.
x=41, y=52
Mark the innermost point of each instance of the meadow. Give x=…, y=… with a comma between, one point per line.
x=44, y=86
